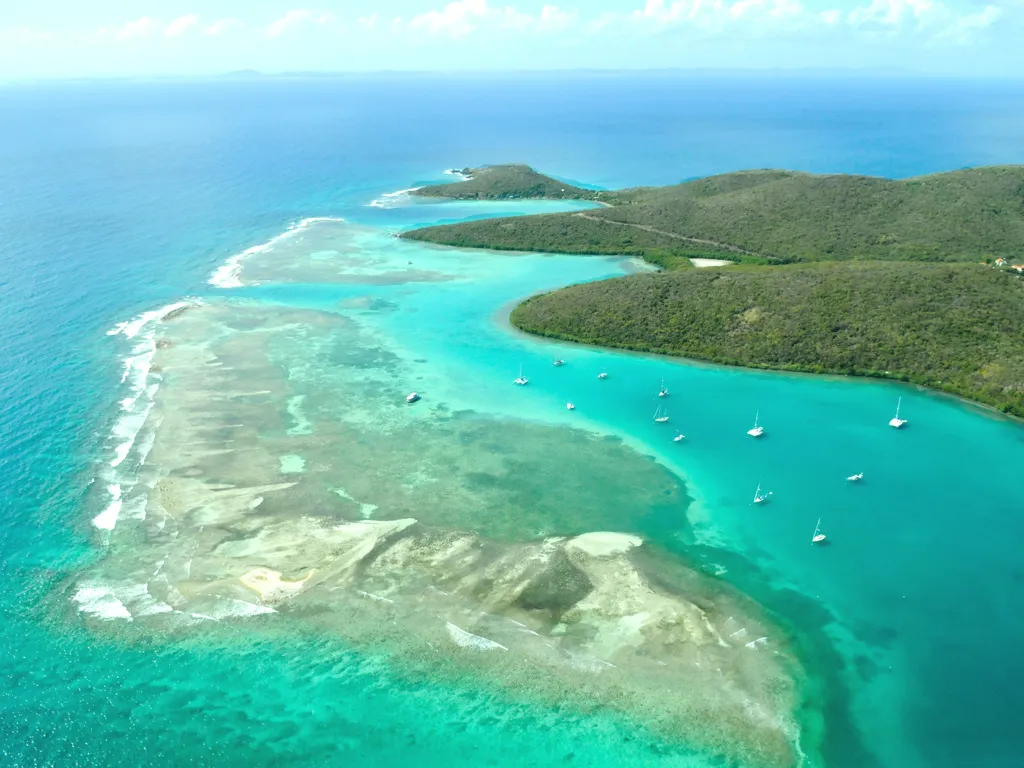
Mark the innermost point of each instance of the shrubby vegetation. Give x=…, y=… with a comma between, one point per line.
x=568, y=233
x=957, y=328
x=886, y=297
x=506, y=182
x=781, y=216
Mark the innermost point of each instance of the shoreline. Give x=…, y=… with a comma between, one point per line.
x=983, y=408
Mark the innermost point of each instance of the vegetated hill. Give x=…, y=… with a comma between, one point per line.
x=506, y=182
x=577, y=234
x=781, y=216
x=957, y=328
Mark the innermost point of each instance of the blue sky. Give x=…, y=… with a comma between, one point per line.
x=58, y=38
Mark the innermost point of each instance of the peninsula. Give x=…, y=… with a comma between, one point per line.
x=836, y=274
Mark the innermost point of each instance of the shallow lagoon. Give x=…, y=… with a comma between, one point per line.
x=871, y=615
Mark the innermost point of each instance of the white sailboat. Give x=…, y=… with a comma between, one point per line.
x=757, y=429
x=660, y=417
x=679, y=438
x=855, y=478
x=602, y=375
x=558, y=363
x=896, y=421
x=818, y=536
x=570, y=407
x=522, y=380
x=761, y=498
x=663, y=392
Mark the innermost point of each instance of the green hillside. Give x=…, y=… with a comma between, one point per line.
x=505, y=182
x=957, y=328
x=772, y=216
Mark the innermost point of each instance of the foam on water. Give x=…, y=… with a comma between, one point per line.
x=107, y=519
x=466, y=639
x=393, y=199
x=229, y=274
x=99, y=601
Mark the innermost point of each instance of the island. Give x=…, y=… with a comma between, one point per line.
x=505, y=182
x=829, y=273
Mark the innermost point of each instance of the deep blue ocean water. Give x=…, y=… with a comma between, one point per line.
x=119, y=197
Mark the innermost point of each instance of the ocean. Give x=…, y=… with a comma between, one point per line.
x=118, y=199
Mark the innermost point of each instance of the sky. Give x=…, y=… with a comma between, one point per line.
x=72, y=38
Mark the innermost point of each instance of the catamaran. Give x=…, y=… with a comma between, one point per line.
x=558, y=363
x=818, y=536
x=570, y=407
x=896, y=421
x=663, y=392
x=522, y=380
x=855, y=478
x=761, y=498
x=660, y=417
x=757, y=429
x=602, y=375
x=679, y=437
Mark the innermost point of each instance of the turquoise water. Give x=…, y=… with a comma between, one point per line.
x=907, y=621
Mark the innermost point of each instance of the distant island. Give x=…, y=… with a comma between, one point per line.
x=905, y=279
x=505, y=182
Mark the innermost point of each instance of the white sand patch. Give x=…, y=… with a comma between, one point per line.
x=291, y=464
x=269, y=585
x=701, y=263
x=604, y=544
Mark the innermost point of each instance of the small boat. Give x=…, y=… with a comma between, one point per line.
x=896, y=421
x=855, y=478
x=570, y=407
x=522, y=380
x=412, y=397
x=761, y=498
x=558, y=363
x=679, y=438
x=602, y=375
x=757, y=429
x=660, y=417
x=818, y=536
x=663, y=392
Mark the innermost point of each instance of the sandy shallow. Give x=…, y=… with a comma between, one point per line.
x=288, y=476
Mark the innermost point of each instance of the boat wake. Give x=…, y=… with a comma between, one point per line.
x=229, y=274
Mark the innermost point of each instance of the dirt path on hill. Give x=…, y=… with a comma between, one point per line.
x=684, y=238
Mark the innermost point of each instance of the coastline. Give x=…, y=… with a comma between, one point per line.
x=981, y=407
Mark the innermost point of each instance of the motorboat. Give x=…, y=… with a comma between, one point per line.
x=412, y=397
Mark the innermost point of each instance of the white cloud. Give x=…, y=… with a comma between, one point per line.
x=290, y=20
x=297, y=18
x=181, y=25
x=134, y=30
x=831, y=17
x=462, y=17
x=554, y=19
x=23, y=35
x=457, y=19
x=221, y=26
